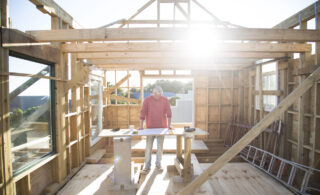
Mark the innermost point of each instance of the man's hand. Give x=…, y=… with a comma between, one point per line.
x=171, y=128
x=140, y=128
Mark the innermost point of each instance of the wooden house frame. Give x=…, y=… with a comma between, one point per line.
x=224, y=85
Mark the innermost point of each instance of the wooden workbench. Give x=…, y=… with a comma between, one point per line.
x=182, y=163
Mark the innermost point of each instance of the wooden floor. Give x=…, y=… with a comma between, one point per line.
x=233, y=178
x=242, y=178
x=169, y=145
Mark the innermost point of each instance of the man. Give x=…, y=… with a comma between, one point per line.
x=156, y=110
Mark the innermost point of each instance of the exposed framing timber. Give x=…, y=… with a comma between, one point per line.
x=177, y=47
x=302, y=16
x=253, y=133
x=43, y=52
x=30, y=75
x=269, y=92
x=157, y=55
x=181, y=61
x=139, y=11
x=129, y=100
x=108, y=91
x=116, y=34
x=53, y=9
x=170, y=66
x=4, y=124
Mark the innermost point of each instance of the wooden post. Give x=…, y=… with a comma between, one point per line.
x=5, y=123
x=24, y=185
x=104, y=99
x=253, y=133
x=250, y=98
x=261, y=107
x=4, y=13
x=5, y=158
x=75, y=96
x=141, y=87
x=301, y=107
x=316, y=124
x=179, y=148
x=187, y=172
x=60, y=107
x=220, y=113
x=232, y=98
x=284, y=87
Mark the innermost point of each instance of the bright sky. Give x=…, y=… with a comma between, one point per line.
x=96, y=13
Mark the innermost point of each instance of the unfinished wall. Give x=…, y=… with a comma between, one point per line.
x=219, y=98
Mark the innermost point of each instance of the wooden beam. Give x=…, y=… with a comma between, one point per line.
x=161, y=55
x=30, y=75
x=170, y=66
x=139, y=11
x=130, y=100
x=178, y=47
x=172, y=61
x=53, y=9
x=269, y=92
x=168, y=22
x=302, y=16
x=43, y=52
x=119, y=34
x=252, y=134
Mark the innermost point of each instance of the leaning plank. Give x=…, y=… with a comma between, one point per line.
x=96, y=156
x=116, y=34
x=118, y=84
x=253, y=133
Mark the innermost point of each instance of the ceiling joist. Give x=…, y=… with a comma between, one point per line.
x=186, y=61
x=174, y=47
x=157, y=55
x=149, y=34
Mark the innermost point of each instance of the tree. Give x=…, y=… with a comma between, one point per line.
x=174, y=86
x=172, y=100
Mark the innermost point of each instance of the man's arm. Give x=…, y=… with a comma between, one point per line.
x=143, y=113
x=141, y=124
x=169, y=123
x=169, y=114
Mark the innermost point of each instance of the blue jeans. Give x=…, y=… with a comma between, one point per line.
x=148, y=151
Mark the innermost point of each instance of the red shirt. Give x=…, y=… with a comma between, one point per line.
x=156, y=112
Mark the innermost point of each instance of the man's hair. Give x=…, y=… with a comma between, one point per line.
x=157, y=89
